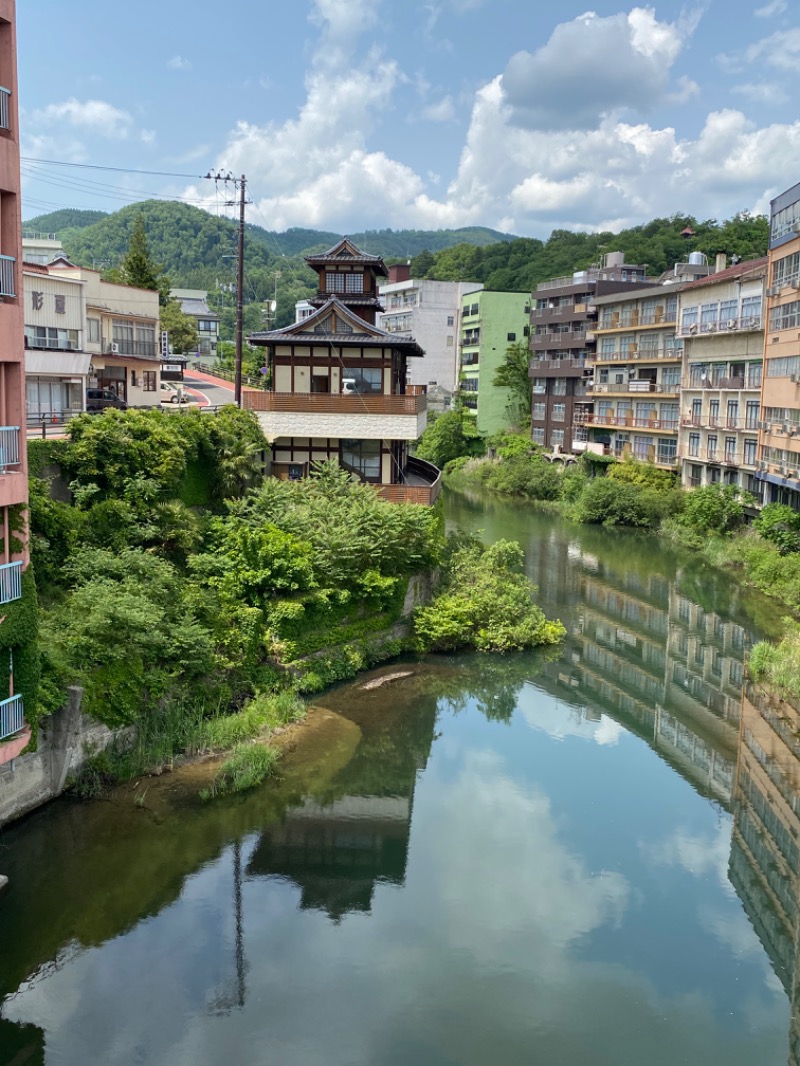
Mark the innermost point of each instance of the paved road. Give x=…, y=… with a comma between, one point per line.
x=207, y=390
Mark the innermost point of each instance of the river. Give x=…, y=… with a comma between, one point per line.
x=575, y=857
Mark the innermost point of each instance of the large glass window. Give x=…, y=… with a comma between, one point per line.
x=334, y=282
x=363, y=457
x=362, y=380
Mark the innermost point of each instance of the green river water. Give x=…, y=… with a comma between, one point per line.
x=579, y=857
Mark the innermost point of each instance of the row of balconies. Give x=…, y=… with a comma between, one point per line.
x=635, y=354
x=730, y=325
x=720, y=422
x=634, y=387
x=635, y=319
x=560, y=313
x=718, y=382
x=565, y=339
x=555, y=367
x=143, y=349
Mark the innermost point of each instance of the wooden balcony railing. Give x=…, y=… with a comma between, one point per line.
x=325, y=403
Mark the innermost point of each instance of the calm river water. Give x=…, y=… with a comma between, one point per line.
x=571, y=858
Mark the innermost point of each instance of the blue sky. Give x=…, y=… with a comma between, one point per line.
x=352, y=114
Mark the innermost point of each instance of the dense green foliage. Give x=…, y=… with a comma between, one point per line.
x=153, y=604
x=447, y=437
x=715, y=509
x=486, y=603
x=780, y=525
x=512, y=374
x=779, y=664
x=182, y=328
x=519, y=265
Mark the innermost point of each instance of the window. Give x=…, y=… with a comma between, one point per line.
x=688, y=318
x=559, y=412
x=751, y=310
x=539, y=411
x=474, y=309
x=786, y=271
x=754, y=371
x=730, y=449
x=711, y=450
x=750, y=450
x=354, y=283
x=356, y=379
x=667, y=450
x=557, y=438
x=708, y=316
x=783, y=367
x=334, y=282
x=148, y=380
x=538, y=435
x=751, y=414
x=133, y=377
x=560, y=387
x=511, y=336
x=206, y=325
x=93, y=325
x=451, y=320
x=694, y=445
x=727, y=312
x=784, y=317
x=363, y=457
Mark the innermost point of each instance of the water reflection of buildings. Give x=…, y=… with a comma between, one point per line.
x=336, y=854
x=648, y=655
x=338, y=846
x=765, y=850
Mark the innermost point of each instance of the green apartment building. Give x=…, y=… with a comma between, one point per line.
x=490, y=321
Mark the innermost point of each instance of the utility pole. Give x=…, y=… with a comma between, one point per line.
x=237, y=381
x=219, y=176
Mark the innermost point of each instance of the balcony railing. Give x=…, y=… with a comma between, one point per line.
x=9, y=446
x=5, y=109
x=730, y=325
x=12, y=716
x=705, y=421
x=423, y=484
x=638, y=386
x=10, y=582
x=636, y=319
x=142, y=349
x=631, y=421
x=546, y=367
x=631, y=355
x=325, y=403
x=7, y=270
x=52, y=342
x=562, y=339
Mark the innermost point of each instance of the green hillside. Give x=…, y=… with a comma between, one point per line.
x=519, y=265
x=68, y=218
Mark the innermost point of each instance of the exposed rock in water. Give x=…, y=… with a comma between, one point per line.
x=386, y=679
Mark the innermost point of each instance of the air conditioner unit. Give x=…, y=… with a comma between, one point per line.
x=114, y=347
x=732, y=323
x=773, y=290
x=793, y=378
x=795, y=227
x=693, y=329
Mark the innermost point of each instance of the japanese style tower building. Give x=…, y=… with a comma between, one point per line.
x=338, y=385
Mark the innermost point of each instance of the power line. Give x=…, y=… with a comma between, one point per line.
x=120, y=170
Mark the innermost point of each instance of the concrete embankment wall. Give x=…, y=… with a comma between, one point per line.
x=64, y=741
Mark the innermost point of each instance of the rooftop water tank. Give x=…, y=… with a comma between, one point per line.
x=697, y=259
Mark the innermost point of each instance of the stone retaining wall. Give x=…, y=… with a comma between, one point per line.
x=65, y=738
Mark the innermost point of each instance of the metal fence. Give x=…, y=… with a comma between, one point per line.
x=12, y=716
x=10, y=582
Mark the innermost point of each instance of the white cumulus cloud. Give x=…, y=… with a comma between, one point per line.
x=96, y=116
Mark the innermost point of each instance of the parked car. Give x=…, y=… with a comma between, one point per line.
x=172, y=393
x=99, y=399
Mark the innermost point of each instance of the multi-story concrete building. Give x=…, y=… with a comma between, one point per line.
x=56, y=361
x=636, y=375
x=339, y=385
x=41, y=248
x=17, y=647
x=430, y=312
x=722, y=329
x=779, y=440
x=490, y=322
x=563, y=315
x=121, y=336
x=194, y=302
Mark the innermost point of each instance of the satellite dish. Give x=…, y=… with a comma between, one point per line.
x=273, y=304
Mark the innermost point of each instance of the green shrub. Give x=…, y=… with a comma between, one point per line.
x=715, y=509
x=610, y=502
x=247, y=767
x=522, y=475
x=486, y=604
x=780, y=525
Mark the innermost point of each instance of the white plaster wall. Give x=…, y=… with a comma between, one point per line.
x=337, y=426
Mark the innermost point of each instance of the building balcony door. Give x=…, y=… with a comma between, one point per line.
x=320, y=383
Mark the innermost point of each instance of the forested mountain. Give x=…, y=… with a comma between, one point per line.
x=519, y=265
x=68, y=218
x=197, y=250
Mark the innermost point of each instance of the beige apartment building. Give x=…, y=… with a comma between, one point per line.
x=721, y=327
x=636, y=374
x=121, y=336
x=56, y=362
x=779, y=441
